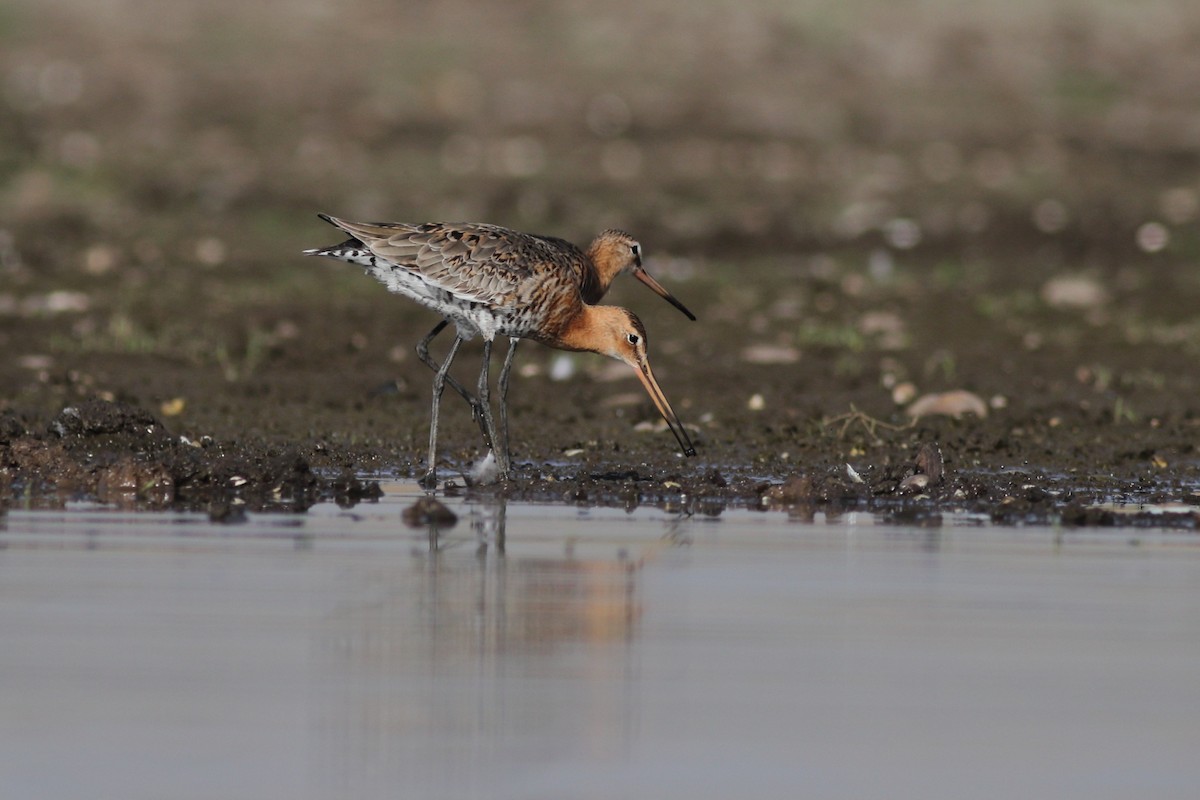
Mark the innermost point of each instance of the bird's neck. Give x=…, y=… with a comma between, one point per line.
x=592, y=286
x=579, y=332
x=601, y=269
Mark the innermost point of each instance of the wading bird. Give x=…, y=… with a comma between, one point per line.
x=610, y=254
x=492, y=281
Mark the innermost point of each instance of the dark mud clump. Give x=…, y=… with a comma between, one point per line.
x=118, y=453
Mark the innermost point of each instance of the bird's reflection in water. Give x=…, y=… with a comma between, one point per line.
x=487, y=599
x=456, y=651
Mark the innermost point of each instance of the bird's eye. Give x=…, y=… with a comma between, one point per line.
x=633, y=338
x=637, y=250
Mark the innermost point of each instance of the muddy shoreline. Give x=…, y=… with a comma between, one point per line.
x=814, y=387
x=975, y=230
x=121, y=455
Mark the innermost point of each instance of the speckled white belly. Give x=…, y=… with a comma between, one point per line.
x=471, y=319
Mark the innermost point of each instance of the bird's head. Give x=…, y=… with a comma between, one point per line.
x=614, y=252
x=619, y=334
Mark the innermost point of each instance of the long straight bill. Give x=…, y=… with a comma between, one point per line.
x=664, y=408
x=661, y=291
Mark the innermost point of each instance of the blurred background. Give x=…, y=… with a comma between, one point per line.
x=876, y=183
x=707, y=127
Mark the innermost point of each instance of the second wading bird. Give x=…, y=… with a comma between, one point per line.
x=492, y=281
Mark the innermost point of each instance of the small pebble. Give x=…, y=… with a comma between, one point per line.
x=796, y=489
x=913, y=484
x=904, y=393
x=562, y=368
x=1074, y=291
x=770, y=354
x=173, y=407
x=952, y=404
x=35, y=362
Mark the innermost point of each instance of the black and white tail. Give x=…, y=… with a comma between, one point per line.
x=351, y=250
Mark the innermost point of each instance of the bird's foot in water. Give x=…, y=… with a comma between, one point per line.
x=428, y=481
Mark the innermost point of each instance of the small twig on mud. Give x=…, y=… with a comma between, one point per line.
x=870, y=424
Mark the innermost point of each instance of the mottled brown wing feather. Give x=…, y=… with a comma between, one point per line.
x=476, y=262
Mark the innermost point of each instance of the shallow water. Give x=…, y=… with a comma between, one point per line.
x=550, y=652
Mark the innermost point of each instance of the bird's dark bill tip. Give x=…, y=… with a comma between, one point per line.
x=670, y=298
x=326, y=217
x=690, y=452
x=661, y=291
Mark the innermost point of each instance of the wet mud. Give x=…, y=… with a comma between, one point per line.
x=986, y=259
x=819, y=387
x=121, y=454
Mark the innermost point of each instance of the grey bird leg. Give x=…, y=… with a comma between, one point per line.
x=439, y=385
x=423, y=354
x=504, y=372
x=485, y=406
x=427, y=360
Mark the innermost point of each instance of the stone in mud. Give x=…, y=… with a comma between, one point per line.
x=771, y=354
x=796, y=489
x=129, y=482
x=40, y=466
x=904, y=393
x=349, y=490
x=1074, y=291
x=715, y=478
x=99, y=417
x=914, y=484
x=954, y=403
x=11, y=428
